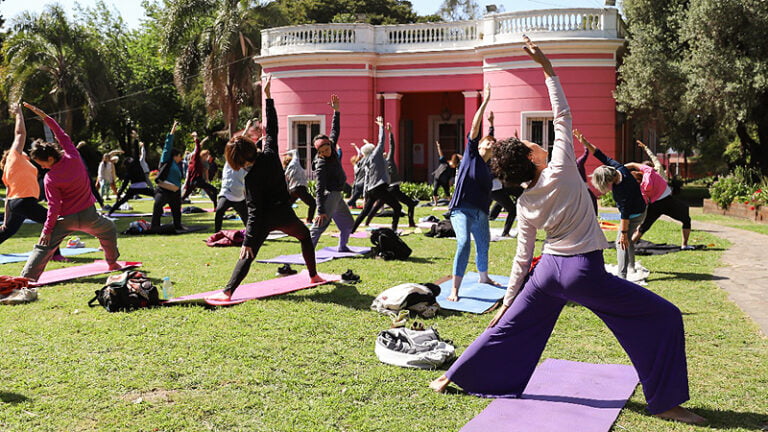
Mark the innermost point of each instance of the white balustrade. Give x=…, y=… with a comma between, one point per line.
x=550, y=24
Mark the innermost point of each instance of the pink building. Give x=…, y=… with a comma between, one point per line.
x=426, y=79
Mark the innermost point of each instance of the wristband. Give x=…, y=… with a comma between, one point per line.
x=625, y=232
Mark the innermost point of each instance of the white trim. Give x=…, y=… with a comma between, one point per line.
x=291, y=119
x=556, y=63
x=322, y=72
x=429, y=72
x=471, y=94
x=525, y=116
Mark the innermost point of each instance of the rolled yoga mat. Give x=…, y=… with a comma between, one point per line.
x=74, y=272
x=561, y=396
x=257, y=290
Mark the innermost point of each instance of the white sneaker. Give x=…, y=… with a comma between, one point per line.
x=19, y=296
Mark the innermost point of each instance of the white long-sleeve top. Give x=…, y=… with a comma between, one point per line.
x=233, y=183
x=107, y=171
x=295, y=175
x=558, y=203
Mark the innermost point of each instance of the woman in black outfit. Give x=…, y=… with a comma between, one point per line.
x=266, y=194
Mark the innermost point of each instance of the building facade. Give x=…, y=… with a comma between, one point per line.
x=427, y=80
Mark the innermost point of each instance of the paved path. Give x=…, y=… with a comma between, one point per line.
x=745, y=276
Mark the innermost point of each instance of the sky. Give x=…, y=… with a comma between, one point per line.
x=133, y=13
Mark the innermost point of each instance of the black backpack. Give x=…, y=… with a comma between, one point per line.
x=388, y=245
x=442, y=229
x=127, y=291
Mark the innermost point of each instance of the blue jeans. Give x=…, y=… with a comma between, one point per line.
x=466, y=220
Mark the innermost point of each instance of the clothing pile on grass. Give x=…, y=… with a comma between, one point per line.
x=418, y=298
x=16, y=290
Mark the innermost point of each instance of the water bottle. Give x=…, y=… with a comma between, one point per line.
x=167, y=288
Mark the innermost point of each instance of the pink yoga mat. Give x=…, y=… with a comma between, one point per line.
x=262, y=289
x=69, y=273
x=358, y=234
x=561, y=396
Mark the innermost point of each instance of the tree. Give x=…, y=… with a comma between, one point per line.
x=374, y=12
x=214, y=41
x=698, y=68
x=51, y=50
x=458, y=10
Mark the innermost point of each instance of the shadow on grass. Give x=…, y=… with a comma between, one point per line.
x=342, y=294
x=694, y=277
x=719, y=419
x=12, y=398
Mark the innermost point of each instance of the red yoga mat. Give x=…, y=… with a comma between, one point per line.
x=257, y=290
x=69, y=273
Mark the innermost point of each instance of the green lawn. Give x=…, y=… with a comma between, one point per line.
x=745, y=224
x=305, y=361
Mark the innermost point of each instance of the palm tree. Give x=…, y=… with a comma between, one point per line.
x=216, y=39
x=49, y=49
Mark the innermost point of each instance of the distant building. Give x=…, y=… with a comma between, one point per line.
x=427, y=80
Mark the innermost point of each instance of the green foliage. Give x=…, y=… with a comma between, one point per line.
x=346, y=11
x=458, y=10
x=606, y=200
x=418, y=191
x=740, y=186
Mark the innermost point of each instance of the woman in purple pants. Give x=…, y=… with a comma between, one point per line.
x=502, y=359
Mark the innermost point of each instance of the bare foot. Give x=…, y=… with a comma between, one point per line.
x=316, y=279
x=491, y=282
x=682, y=415
x=439, y=385
x=115, y=266
x=454, y=295
x=222, y=296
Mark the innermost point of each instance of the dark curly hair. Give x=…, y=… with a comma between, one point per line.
x=43, y=150
x=511, y=163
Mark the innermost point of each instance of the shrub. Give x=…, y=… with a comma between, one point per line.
x=419, y=191
x=729, y=189
x=606, y=200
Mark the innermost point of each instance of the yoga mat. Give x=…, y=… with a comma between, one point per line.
x=474, y=297
x=561, y=396
x=609, y=216
x=137, y=215
x=358, y=234
x=425, y=225
x=168, y=229
x=68, y=273
x=257, y=290
x=442, y=209
x=496, y=234
x=609, y=226
x=67, y=252
x=323, y=255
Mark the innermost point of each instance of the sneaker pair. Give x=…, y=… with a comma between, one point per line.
x=75, y=242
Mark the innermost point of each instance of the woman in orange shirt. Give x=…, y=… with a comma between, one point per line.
x=22, y=188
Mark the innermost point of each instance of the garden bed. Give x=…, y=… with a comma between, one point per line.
x=739, y=210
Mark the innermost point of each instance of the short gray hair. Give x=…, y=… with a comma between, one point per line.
x=367, y=149
x=603, y=177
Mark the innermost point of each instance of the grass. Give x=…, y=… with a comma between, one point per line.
x=305, y=361
x=745, y=224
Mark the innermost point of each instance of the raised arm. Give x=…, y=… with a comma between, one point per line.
x=439, y=150
x=20, y=132
x=391, y=154
x=270, y=140
x=379, y=149
x=357, y=149
x=64, y=140
x=474, y=133
x=142, y=152
x=165, y=157
x=656, y=162
x=491, y=129
x=335, y=124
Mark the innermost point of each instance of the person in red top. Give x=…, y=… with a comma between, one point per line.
x=70, y=201
x=197, y=174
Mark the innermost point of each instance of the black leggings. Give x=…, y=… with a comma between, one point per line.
x=18, y=210
x=221, y=208
x=379, y=193
x=285, y=220
x=200, y=182
x=125, y=193
x=302, y=193
x=403, y=198
x=173, y=199
x=357, y=192
x=446, y=185
x=669, y=206
x=503, y=198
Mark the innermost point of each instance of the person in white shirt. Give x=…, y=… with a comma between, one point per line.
x=502, y=359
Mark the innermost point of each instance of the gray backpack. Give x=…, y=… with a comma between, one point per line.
x=422, y=349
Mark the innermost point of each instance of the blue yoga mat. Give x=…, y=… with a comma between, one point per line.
x=610, y=216
x=474, y=297
x=19, y=257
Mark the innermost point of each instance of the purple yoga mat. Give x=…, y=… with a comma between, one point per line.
x=262, y=289
x=68, y=273
x=562, y=396
x=323, y=255
x=358, y=234
x=138, y=215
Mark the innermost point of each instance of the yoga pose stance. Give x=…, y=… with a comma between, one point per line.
x=471, y=201
x=444, y=173
x=297, y=182
x=658, y=195
x=231, y=195
x=135, y=181
x=168, y=184
x=613, y=176
x=269, y=204
x=197, y=173
x=580, y=164
x=502, y=359
x=394, y=184
x=22, y=190
x=331, y=180
x=70, y=201
x=502, y=196
x=377, y=180
x=359, y=182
